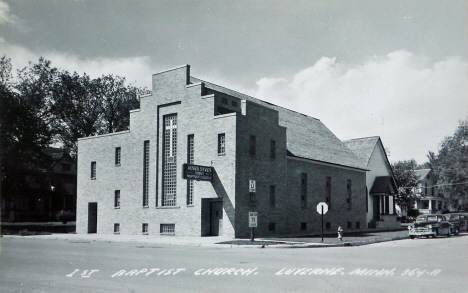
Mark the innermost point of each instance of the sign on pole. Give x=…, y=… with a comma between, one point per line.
x=322, y=208
x=251, y=185
x=252, y=219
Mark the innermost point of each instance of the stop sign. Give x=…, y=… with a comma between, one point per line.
x=322, y=208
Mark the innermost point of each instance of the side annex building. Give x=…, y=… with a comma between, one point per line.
x=135, y=181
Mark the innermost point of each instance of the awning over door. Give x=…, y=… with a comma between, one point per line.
x=383, y=185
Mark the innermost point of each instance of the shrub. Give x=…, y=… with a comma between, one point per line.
x=65, y=216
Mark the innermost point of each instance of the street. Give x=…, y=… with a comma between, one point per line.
x=420, y=265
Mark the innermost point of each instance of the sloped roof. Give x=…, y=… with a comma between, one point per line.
x=383, y=185
x=362, y=147
x=307, y=137
x=422, y=173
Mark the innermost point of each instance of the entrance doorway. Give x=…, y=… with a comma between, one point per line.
x=92, y=217
x=216, y=217
x=376, y=207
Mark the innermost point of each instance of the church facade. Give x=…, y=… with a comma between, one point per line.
x=199, y=157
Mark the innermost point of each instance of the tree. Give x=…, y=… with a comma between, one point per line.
x=407, y=181
x=451, y=166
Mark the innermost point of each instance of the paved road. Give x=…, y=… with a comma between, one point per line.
x=420, y=265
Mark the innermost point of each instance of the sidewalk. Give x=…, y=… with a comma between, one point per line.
x=351, y=240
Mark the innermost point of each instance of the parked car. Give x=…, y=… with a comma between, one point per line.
x=430, y=225
x=459, y=222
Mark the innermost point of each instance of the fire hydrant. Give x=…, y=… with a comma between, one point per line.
x=340, y=233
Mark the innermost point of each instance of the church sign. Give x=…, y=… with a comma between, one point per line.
x=196, y=172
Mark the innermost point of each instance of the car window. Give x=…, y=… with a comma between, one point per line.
x=432, y=218
x=420, y=219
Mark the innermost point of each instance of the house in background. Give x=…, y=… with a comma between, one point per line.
x=428, y=200
x=381, y=209
x=47, y=190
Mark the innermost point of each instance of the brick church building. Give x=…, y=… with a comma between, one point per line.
x=199, y=157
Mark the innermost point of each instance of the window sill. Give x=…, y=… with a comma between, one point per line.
x=145, y=233
x=116, y=208
x=146, y=207
x=221, y=154
x=93, y=178
x=190, y=205
x=117, y=165
x=116, y=233
x=167, y=207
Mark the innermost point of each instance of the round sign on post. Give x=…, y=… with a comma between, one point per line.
x=322, y=208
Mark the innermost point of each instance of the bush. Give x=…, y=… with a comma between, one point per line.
x=65, y=216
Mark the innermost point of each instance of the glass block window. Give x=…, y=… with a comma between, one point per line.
x=358, y=225
x=118, y=153
x=167, y=229
x=93, y=170
x=273, y=149
x=328, y=225
x=146, y=158
x=349, y=225
x=272, y=196
x=144, y=228
x=190, y=160
x=170, y=161
x=116, y=228
x=253, y=145
x=304, y=190
x=117, y=199
x=349, y=191
x=221, y=144
x=328, y=191
x=224, y=101
x=303, y=226
x=234, y=104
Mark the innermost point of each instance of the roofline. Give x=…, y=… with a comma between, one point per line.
x=175, y=68
x=327, y=163
x=104, y=135
x=252, y=97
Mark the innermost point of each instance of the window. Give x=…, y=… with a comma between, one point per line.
x=117, y=156
x=303, y=226
x=224, y=101
x=367, y=200
x=328, y=191
x=272, y=227
x=349, y=225
x=234, y=103
x=170, y=161
x=358, y=225
x=349, y=194
x=272, y=196
x=144, y=228
x=221, y=144
x=272, y=149
x=304, y=190
x=167, y=229
x=253, y=149
x=190, y=160
x=328, y=225
x=93, y=170
x=116, y=228
x=117, y=199
x=387, y=204
x=146, y=154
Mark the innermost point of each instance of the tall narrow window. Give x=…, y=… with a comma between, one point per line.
x=117, y=228
x=190, y=160
x=367, y=200
x=272, y=196
x=328, y=191
x=221, y=144
x=170, y=161
x=93, y=170
x=117, y=199
x=387, y=205
x=273, y=149
x=304, y=190
x=144, y=228
x=350, y=192
x=146, y=158
x=253, y=145
x=117, y=156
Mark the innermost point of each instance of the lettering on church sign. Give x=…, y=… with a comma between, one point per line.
x=196, y=172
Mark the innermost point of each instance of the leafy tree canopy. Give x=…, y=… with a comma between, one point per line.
x=407, y=181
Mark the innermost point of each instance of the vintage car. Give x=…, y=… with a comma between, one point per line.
x=430, y=225
x=459, y=222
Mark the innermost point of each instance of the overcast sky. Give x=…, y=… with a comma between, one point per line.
x=395, y=69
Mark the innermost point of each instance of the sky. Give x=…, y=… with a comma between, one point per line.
x=394, y=69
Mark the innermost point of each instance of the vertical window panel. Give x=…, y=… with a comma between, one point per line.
x=170, y=161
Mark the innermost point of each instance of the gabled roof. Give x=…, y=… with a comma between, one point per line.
x=422, y=173
x=383, y=185
x=307, y=137
x=362, y=147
